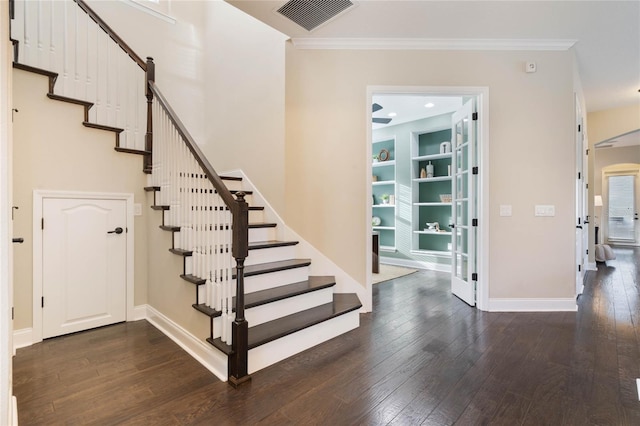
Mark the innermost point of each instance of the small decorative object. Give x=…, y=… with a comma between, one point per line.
x=445, y=198
x=433, y=226
x=445, y=147
x=376, y=221
x=375, y=158
x=385, y=198
x=374, y=178
x=383, y=155
x=392, y=199
x=423, y=173
x=429, y=170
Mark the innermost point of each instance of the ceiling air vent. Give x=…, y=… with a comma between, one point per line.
x=310, y=14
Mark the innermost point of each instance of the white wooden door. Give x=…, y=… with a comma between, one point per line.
x=464, y=204
x=84, y=264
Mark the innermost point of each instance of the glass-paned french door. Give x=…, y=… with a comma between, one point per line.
x=464, y=204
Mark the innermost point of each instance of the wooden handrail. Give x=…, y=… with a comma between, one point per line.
x=218, y=184
x=114, y=36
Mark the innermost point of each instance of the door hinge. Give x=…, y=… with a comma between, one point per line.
x=474, y=170
x=579, y=221
x=42, y=302
x=587, y=251
x=12, y=316
x=474, y=222
x=474, y=116
x=579, y=175
x=587, y=152
x=42, y=223
x=579, y=268
x=587, y=186
x=579, y=127
x=474, y=276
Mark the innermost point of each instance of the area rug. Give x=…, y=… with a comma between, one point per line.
x=389, y=272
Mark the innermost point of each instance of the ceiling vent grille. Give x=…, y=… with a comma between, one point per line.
x=310, y=14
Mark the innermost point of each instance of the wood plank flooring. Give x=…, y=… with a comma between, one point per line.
x=422, y=357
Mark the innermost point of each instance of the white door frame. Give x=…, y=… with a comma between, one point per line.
x=620, y=169
x=482, y=96
x=38, y=197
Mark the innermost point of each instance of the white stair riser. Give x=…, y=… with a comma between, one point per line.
x=272, y=254
x=256, y=216
x=233, y=185
x=291, y=305
x=275, y=279
x=272, y=352
x=262, y=234
x=280, y=308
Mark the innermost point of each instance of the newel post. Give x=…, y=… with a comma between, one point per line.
x=238, y=361
x=148, y=139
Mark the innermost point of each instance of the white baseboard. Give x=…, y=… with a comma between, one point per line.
x=532, y=305
x=22, y=338
x=407, y=263
x=212, y=359
x=14, y=411
x=139, y=313
x=591, y=266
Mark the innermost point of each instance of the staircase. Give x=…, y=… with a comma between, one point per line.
x=260, y=300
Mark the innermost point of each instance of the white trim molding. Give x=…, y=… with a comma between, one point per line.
x=213, y=360
x=431, y=44
x=533, y=305
x=22, y=338
x=591, y=266
x=408, y=263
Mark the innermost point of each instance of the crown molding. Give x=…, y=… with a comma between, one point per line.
x=431, y=44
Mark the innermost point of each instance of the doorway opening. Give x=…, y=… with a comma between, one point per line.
x=621, y=204
x=427, y=189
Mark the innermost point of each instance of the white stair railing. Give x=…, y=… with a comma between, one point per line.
x=200, y=213
x=65, y=37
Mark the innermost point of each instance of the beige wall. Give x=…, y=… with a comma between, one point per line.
x=52, y=150
x=245, y=92
x=531, y=149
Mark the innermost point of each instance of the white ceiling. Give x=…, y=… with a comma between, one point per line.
x=412, y=107
x=606, y=33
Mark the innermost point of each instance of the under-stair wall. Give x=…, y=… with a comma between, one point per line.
x=52, y=150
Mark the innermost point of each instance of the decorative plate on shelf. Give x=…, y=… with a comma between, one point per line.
x=376, y=221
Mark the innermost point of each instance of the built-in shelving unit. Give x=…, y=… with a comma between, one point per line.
x=431, y=188
x=384, y=192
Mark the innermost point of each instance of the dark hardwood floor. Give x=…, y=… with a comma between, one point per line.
x=422, y=357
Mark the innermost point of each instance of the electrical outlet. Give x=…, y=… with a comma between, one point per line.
x=505, y=210
x=530, y=67
x=545, y=210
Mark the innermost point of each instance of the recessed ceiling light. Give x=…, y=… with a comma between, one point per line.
x=392, y=114
x=429, y=105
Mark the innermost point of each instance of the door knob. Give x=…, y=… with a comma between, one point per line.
x=118, y=230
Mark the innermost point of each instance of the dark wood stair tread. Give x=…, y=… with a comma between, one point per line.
x=151, y=188
x=262, y=297
x=85, y=104
x=257, y=245
x=260, y=268
x=281, y=265
x=102, y=127
x=181, y=252
x=36, y=70
x=132, y=151
x=281, y=327
x=262, y=225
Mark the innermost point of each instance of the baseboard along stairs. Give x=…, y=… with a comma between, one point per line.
x=287, y=310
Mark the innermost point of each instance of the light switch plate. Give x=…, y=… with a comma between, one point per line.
x=505, y=210
x=545, y=210
x=137, y=209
